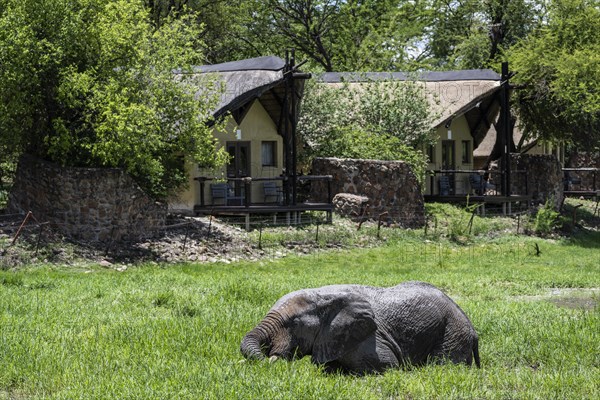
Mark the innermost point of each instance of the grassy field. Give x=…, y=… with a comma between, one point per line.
x=174, y=331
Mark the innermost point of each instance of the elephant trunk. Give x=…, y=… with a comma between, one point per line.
x=258, y=342
x=253, y=344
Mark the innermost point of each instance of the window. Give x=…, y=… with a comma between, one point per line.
x=466, y=151
x=269, y=154
x=448, y=154
x=431, y=153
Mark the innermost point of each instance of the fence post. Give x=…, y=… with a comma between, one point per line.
x=379, y=223
x=575, y=212
x=470, y=224
x=209, y=226
x=187, y=230
x=260, y=228
x=29, y=215
x=37, y=245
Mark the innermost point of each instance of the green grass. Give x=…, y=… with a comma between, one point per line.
x=174, y=331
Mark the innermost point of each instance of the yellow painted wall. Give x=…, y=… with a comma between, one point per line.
x=460, y=131
x=256, y=127
x=549, y=148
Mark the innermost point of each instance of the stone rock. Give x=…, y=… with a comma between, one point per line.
x=350, y=205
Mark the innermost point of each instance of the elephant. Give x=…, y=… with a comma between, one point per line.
x=360, y=329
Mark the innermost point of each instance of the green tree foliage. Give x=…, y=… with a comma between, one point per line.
x=229, y=30
x=473, y=33
x=91, y=83
x=361, y=35
x=559, y=67
x=374, y=120
x=352, y=35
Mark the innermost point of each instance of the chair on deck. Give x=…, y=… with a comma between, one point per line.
x=479, y=185
x=444, y=183
x=222, y=192
x=270, y=189
x=571, y=180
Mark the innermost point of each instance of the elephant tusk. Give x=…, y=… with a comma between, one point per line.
x=272, y=359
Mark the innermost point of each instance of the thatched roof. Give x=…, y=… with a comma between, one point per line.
x=450, y=93
x=244, y=81
x=487, y=144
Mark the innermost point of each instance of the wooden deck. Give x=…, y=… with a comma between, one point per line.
x=505, y=201
x=291, y=213
x=583, y=193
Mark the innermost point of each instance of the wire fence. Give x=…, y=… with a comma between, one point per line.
x=210, y=238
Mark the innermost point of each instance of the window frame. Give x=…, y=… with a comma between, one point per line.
x=431, y=153
x=467, y=156
x=273, y=152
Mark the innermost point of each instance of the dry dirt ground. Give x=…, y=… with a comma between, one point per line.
x=204, y=239
x=184, y=239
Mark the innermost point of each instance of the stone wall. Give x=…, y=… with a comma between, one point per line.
x=586, y=180
x=390, y=186
x=91, y=204
x=543, y=179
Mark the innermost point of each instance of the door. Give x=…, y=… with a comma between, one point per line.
x=239, y=163
x=449, y=161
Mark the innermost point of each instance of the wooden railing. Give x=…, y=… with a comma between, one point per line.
x=581, y=181
x=242, y=188
x=491, y=176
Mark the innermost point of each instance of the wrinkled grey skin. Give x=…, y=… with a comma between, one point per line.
x=362, y=329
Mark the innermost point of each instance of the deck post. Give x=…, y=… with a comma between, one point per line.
x=506, y=129
x=293, y=127
x=247, y=191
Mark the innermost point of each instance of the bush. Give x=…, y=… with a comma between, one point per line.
x=546, y=219
x=376, y=120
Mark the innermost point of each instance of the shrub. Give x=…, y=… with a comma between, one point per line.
x=546, y=219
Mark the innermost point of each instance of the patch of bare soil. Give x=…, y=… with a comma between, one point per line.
x=184, y=239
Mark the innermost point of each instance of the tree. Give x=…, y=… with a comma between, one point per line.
x=228, y=30
x=351, y=35
x=377, y=120
x=558, y=68
x=91, y=83
x=473, y=34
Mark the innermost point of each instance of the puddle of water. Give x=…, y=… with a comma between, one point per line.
x=578, y=303
x=574, y=298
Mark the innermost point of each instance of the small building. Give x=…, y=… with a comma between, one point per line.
x=465, y=103
x=259, y=104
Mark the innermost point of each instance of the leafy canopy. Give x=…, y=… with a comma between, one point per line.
x=92, y=83
x=559, y=67
x=372, y=120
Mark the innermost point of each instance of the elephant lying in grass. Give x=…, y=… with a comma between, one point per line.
x=362, y=329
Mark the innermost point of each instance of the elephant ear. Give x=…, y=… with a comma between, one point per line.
x=350, y=321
